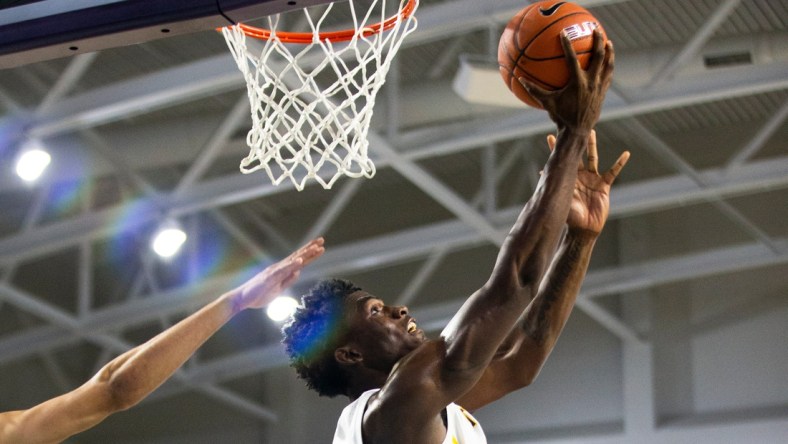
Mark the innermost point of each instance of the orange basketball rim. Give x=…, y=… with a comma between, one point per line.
x=334, y=36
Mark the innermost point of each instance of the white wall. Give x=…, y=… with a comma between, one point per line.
x=579, y=386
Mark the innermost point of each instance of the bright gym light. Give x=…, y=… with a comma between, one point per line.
x=168, y=240
x=32, y=163
x=281, y=308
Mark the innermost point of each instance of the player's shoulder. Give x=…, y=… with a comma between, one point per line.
x=413, y=387
x=417, y=371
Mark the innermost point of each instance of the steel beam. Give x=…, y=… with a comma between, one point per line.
x=436, y=189
x=218, y=74
x=761, y=137
x=64, y=320
x=645, y=196
x=417, y=243
x=47, y=29
x=663, y=151
x=635, y=277
x=694, y=45
x=65, y=83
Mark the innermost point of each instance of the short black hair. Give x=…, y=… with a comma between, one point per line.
x=313, y=333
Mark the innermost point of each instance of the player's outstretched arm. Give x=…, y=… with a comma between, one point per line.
x=531, y=243
x=472, y=337
x=525, y=351
x=130, y=377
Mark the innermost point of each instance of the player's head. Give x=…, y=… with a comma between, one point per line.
x=340, y=331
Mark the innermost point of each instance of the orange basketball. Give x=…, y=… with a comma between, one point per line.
x=530, y=46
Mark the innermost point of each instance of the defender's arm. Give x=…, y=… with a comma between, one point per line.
x=130, y=377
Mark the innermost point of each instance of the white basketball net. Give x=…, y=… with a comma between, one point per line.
x=312, y=103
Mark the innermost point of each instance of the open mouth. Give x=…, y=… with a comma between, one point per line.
x=412, y=327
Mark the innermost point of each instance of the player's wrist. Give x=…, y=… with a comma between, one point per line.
x=572, y=138
x=582, y=235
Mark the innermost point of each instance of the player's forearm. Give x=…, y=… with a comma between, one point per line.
x=484, y=321
x=546, y=315
x=135, y=374
x=534, y=236
x=529, y=344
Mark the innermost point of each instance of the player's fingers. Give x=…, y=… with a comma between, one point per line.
x=614, y=171
x=608, y=65
x=610, y=55
x=551, y=142
x=571, y=58
x=535, y=91
x=599, y=53
x=593, y=155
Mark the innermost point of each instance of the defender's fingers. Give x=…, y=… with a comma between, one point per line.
x=316, y=242
x=614, y=171
x=310, y=251
x=290, y=280
x=312, y=254
x=593, y=155
x=572, y=64
x=286, y=267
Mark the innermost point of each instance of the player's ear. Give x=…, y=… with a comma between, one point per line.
x=347, y=355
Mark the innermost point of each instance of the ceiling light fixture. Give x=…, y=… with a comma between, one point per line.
x=168, y=239
x=32, y=161
x=281, y=308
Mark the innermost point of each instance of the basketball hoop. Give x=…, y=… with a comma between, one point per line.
x=312, y=93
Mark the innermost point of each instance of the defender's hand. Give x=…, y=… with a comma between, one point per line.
x=269, y=283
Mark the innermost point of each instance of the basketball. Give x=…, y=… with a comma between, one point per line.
x=530, y=46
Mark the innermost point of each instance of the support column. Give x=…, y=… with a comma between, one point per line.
x=637, y=356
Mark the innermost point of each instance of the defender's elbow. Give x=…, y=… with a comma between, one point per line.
x=119, y=392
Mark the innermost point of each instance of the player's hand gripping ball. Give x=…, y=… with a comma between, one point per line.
x=530, y=46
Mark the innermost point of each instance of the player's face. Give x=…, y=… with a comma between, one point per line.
x=383, y=333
